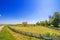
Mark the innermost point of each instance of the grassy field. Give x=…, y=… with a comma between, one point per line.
x=22, y=37
x=6, y=35
x=38, y=30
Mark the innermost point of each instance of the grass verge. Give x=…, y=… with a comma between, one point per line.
x=6, y=35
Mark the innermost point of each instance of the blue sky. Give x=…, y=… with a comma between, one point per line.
x=17, y=11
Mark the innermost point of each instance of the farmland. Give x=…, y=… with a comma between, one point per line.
x=7, y=34
x=22, y=37
x=29, y=20
x=38, y=30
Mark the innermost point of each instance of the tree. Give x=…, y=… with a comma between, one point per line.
x=38, y=23
x=49, y=20
x=24, y=23
x=42, y=23
x=46, y=23
x=55, y=19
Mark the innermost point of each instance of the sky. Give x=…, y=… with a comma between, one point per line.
x=32, y=11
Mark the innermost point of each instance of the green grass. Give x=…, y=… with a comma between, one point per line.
x=45, y=31
x=22, y=37
x=38, y=29
x=6, y=35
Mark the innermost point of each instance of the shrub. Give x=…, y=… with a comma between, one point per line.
x=59, y=25
x=47, y=34
x=38, y=23
x=51, y=25
x=24, y=23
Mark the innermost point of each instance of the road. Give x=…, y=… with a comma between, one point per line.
x=1, y=27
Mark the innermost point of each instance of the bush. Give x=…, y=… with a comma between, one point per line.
x=59, y=25
x=47, y=34
x=24, y=23
x=38, y=23
x=52, y=36
x=52, y=25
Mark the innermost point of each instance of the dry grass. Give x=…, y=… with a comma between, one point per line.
x=22, y=37
x=38, y=30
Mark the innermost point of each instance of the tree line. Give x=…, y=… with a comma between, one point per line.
x=54, y=21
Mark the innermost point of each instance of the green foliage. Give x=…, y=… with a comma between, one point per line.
x=38, y=23
x=6, y=35
x=55, y=19
x=46, y=23
x=20, y=25
x=47, y=34
x=43, y=23
x=52, y=25
x=59, y=25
